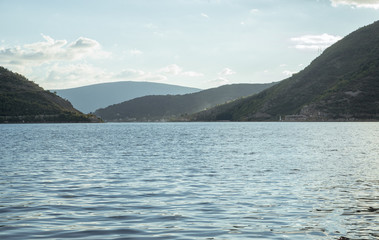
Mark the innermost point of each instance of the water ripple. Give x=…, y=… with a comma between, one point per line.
x=190, y=181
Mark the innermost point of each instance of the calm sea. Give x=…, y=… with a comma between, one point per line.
x=189, y=181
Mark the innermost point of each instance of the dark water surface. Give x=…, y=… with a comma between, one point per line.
x=189, y=181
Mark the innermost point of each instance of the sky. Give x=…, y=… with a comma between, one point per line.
x=194, y=43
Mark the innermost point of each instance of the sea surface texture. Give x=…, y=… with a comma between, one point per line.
x=189, y=181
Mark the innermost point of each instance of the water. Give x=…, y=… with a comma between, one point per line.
x=189, y=181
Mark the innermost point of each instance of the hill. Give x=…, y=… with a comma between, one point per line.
x=24, y=101
x=165, y=107
x=89, y=98
x=342, y=84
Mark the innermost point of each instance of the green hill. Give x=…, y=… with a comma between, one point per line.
x=89, y=98
x=168, y=107
x=24, y=101
x=342, y=84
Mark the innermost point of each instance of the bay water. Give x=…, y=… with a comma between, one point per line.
x=189, y=181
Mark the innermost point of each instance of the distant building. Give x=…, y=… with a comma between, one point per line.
x=295, y=118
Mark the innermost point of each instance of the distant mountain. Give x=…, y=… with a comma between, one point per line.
x=342, y=84
x=165, y=107
x=24, y=101
x=89, y=98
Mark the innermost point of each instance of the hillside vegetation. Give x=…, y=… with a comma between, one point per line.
x=24, y=101
x=342, y=84
x=89, y=98
x=176, y=107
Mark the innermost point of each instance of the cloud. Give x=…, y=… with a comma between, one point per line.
x=192, y=74
x=314, y=42
x=153, y=77
x=171, y=69
x=174, y=69
x=58, y=64
x=288, y=72
x=129, y=73
x=151, y=26
x=223, y=77
x=62, y=76
x=51, y=50
x=220, y=81
x=204, y=15
x=84, y=43
x=357, y=3
x=59, y=76
x=254, y=10
x=135, y=52
x=84, y=48
x=137, y=75
x=161, y=75
x=226, y=72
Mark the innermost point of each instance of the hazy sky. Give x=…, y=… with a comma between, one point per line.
x=197, y=43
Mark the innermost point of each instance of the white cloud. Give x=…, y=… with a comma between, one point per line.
x=171, y=69
x=357, y=3
x=137, y=75
x=174, y=69
x=192, y=74
x=162, y=75
x=51, y=50
x=226, y=72
x=223, y=77
x=220, y=81
x=63, y=76
x=204, y=15
x=153, y=77
x=254, y=10
x=314, y=42
x=288, y=73
x=135, y=52
x=151, y=26
x=83, y=43
x=58, y=64
x=83, y=48
x=129, y=73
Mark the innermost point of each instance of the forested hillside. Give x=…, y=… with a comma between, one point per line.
x=89, y=98
x=342, y=84
x=176, y=107
x=24, y=101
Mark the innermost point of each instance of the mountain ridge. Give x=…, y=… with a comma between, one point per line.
x=172, y=107
x=89, y=98
x=342, y=84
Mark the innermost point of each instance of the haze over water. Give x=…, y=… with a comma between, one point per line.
x=189, y=181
